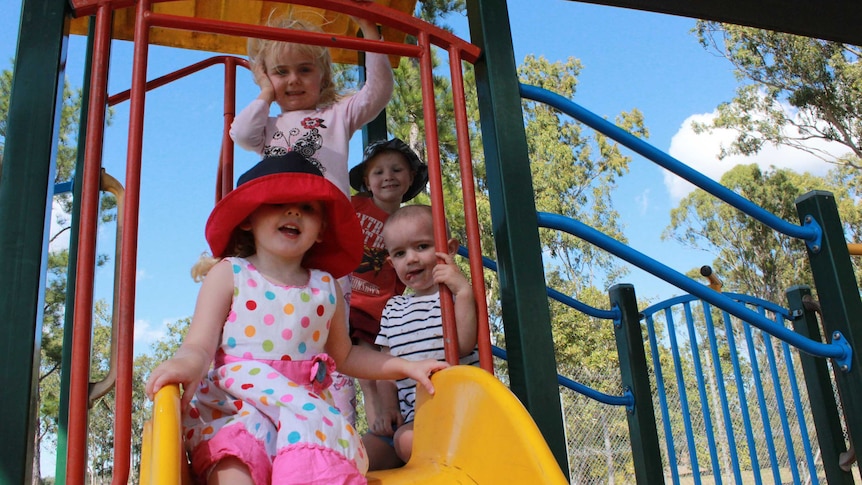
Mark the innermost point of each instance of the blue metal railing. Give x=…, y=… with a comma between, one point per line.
x=810, y=232
x=735, y=305
x=627, y=399
x=837, y=350
x=750, y=386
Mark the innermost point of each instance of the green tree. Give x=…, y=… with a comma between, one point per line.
x=750, y=257
x=794, y=90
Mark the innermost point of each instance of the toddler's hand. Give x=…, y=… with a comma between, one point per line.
x=267, y=92
x=421, y=370
x=446, y=272
x=174, y=371
x=387, y=422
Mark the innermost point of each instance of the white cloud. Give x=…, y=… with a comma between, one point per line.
x=700, y=152
x=146, y=333
x=142, y=274
x=642, y=201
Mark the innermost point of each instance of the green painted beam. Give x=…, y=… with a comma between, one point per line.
x=838, y=294
x=832, y=20
x=634, y=373
x=26, y=189
x=821, y=396
x=524, y=303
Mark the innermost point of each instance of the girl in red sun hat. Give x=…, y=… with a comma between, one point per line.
x=271, y=320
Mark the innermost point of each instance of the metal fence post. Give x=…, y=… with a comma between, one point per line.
x=838, y=292
x=824, y=409
x=635, y=379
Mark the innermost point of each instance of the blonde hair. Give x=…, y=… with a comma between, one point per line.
x=241, y=245
x=261, y=50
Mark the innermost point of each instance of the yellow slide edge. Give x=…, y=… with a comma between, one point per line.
x=473, y=430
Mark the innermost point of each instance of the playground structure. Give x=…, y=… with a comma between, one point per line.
x=533, y=380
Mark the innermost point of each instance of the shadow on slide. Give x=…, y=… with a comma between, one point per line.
x=473, y=430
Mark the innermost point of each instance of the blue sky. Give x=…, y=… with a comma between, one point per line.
x=630, y=60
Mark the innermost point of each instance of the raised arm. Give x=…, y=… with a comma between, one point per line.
x=447, y=273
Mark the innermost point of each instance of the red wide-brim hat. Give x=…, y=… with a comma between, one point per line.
x=286, y=179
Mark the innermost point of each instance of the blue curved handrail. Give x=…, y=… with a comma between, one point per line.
x=556, y=295
x=739, y=297
x=841, y=353
x=810, y=232
x=627, y=399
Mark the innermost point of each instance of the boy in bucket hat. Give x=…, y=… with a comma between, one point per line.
x=389, y=174
x=271, y=320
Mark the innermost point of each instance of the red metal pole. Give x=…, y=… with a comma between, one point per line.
x=128, y=264
x=82, y=323
x=471, y=218
x=435, y=178
x=225, y=172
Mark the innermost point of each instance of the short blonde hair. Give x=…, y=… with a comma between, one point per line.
x=241, y=245
x=261, y=50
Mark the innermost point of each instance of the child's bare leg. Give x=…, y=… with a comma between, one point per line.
x=381, y=454
x=404, y=442
x=369, y=389
x=230, y=471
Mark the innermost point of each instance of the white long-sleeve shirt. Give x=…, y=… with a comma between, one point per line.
x=323, y=134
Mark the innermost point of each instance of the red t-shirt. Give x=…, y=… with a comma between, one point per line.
x=374, y=281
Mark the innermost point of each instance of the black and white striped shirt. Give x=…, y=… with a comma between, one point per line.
x=412, y=328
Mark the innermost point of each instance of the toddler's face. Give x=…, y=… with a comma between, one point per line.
x=388, y=176
x=410, y=243
x=296, y=79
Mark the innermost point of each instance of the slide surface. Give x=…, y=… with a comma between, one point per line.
x=473, y=430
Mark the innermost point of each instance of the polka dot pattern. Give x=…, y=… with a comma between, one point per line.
x=269, y=324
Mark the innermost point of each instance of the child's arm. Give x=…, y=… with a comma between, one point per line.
x=447, y=273
x=369, y=28
x=366, y=104
x=192, y=360
x=366, y=363
x=387, y=410
x=248, y=129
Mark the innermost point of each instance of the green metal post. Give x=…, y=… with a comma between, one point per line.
x=646, y=453
x=840, y=304
x=525, y=311
x=26, y=190
x=824, y=409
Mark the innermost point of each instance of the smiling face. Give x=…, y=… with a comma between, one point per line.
x=286, y=231
x=297, y=79
x=388, y=177
x=410, y=243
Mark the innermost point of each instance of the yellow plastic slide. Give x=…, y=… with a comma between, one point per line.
x=473, y=430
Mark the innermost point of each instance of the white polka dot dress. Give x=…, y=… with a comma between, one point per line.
x=266, y=396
